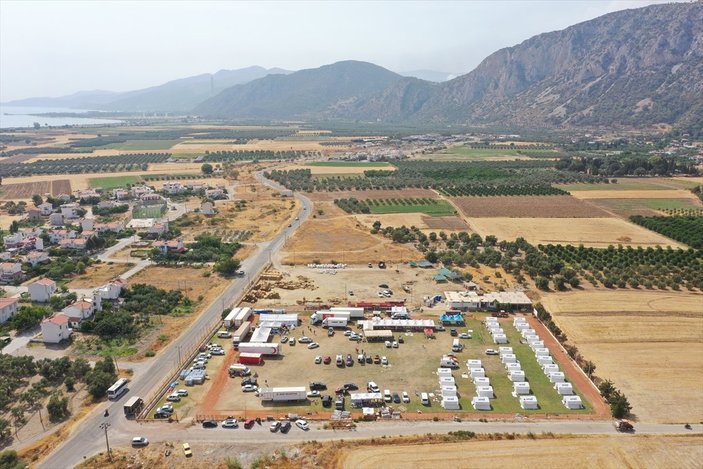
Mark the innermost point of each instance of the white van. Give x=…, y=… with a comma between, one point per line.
x=425, y=399
x=224, y=334
x=456, y=346
x=387, y=395
x=372, y=387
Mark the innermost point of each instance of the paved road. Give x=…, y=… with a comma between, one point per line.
x=87, y=438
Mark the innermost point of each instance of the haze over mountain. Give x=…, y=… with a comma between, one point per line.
x=178, y=95
x=430, y=75
x=632, y=67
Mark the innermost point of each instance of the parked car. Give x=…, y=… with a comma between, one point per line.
x=209, y=424
x=326, y=401
x=139, y=441
x=285, y=427
x=302, y=424
x=327, y=360
x=354, y=336
x=284, y=339
x=317, y=386
x=372, y=387
x=491, y=351
x=347, y=333
x=464, y=335
x=174, y=398
x=350, y=387
x=314, y=394
x=187, y=451
x=384, y=361
x=369, y=359
x=330, y=332
x=249, y=380
x=249, y=423
x=388, y=344
x=387, y=395
x=249, y=388
x=291, y=341
x=230, y=423
x=350, y=360
x=453, y=332
x=305, y=340
x=182, y=392
x=218, y=351
x=395, y=344
x=396, y=398
x=313, y=345
x=159, y=414
x=401, y=340
x=275, y=426
x=377, y=360
x=406, y=397
x=318, y=360
x=340, y=360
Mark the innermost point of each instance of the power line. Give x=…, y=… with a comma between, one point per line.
x=105, y=426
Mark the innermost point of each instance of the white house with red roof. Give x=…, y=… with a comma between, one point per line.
x=37, y=257
x=8, y=308
x=79, y=244
x=111, y=290
x=172, y=245
x=41, y=290
x=10, y=271
x=56, y=328
x=81, y=309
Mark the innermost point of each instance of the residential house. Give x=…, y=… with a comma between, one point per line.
x=113, y=227
x=215, y=194
x=34, y=214
x=41, y=290
x=8, y=308
x=64, y=198
x=13, y=241
x=56, y=328
x=173, y=188
x=87, y=224
x=56, y=236
x=207, y=209
x=79, y=310
x=119, y=194
x=7, y=255
x=10, y=271
x=23, y=241
x=87, y=195
x=173, y=245
x=46, y=209
x=37, y=257
x=79, y=244
x=111, y=290
x=56, y=219
x=70, y=210
x=138, y=191
x=158, y=228
x=151, y=199
x=87, y=234
x=196, y=186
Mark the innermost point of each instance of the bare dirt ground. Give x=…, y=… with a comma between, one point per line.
x=597, y=451
x=373, y=194
x=592, y=232
x=190, y=281
x=527, y=207
x=158, y=185
x=446, y=223
x=650, y=344
x=419, y=220
x=6, y=220
x=99, y=274
x=341, y=239
x=634, y=194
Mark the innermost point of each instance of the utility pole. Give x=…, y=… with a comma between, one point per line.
x=105, y=426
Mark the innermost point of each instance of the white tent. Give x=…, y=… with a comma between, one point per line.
x=513, y=367
x=564, y=389
x=542, y=352
x=516, y=376
x=550, y=368
x=444, y=380
x=482, y=381
x=477, y=372
x=521, y=388
x=474, y=364
x=545, y=361
x=572, y=402
x=556, y=377
x=535, y=344
x=485, y=391
x=481, y=403
x=448, y=391
x=522, y=326
x=503, y=350
x=496, y=330
x=528, y=402
x=500, y=339
x=444, y=372
x=519, y=320
x=450, y=403
x=508, y=358
x=526, y=332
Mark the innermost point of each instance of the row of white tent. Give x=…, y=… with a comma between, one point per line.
x=447, y=386
x=484, y=390
x=521, y=388
x=327, y=266
x=550, y=369
x=497, y=332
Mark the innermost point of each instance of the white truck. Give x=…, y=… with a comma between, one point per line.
x=354, y=312
x=318, y=316
x=334, y=322
x=290, y=394
x=241, y=333
x=264, y=348
x=229, y=319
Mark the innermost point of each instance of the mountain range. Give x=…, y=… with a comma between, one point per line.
x=628, y=68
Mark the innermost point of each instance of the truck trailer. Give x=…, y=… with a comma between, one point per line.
x=334, y=322
x=241, y=334
x=229, y=319
x=264, y=348
x=243, y=315
x=133, y=406
x=249, y=358
x=354, y=312
x=318, y=316
x=291, y=394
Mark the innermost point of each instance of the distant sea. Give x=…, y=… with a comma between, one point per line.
x=20, y=116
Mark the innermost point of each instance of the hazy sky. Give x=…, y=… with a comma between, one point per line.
x=59, y=47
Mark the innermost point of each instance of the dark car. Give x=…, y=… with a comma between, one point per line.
x=249, y=380
x=161, y=415
x=209, y=424
x=317, y=386
x=369, y=359
x=350, y=387
x=453, y=332
x=350, y=360
x=326, y=401
x=327, y=360
x=285, y=426
x=249, y=423
x=396, y=398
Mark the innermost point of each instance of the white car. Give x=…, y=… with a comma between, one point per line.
x=318, y=360
x=139, y=441
x=182, y=392
x=395, y=344
x=174, y=398
x=313, y=345
x=218, y=351
x=388, y=344
x=464, y=335
x=249, y=388
x=491, y=351
x=302, y=424
x=348, y=333
x=230, y=423
x=372, y=387
x=384, y=361
x=315, y=393
x=406, y=398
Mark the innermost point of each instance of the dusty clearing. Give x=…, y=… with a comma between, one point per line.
x=418, y=220
x=373, y=194
x=6, y=220
x=643, y=341
x=634, y=194
x=446, y=223
x=190, y=281
x=592, y=232
x=342, y=240
x=98, y=274
x=527, y=207
x=158, y=185
x=601, y=452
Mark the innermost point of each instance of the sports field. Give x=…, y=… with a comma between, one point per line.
x=432, y=207
x=109, y=183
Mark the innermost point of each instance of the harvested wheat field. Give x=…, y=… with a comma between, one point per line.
x=643, y=341
x=554, y=206
x=68, y=156
x=373, y=194
x=342, y=240
x=446, y=223
x=25, y=190
x=573, y=452
x=99, y=274
x=189, y=280
x=635, y=194
x=395, y=219
x=591, y=232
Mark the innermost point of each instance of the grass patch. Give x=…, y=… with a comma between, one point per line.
x=435, y=208
x=133, y=145
x=114, y=182
x=654, y=204
x=349, y=164
x=148, y=212
x=621, y=185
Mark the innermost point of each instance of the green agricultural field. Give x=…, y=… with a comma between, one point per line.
x=148, y=212
x=632, y=205
x=350, y=164
x=134, y=145
x=435, y=208
x=466, y=153
x=114, y=182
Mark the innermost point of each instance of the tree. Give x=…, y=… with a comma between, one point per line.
x=28, y=317
x=57, y=407
x=98, y=383
x=542, y=283
x=227, y=266
x=206, y=168
x=574, y=282
x=606, y=388
x=619, y=405
x=9, y=458
x=37, y=200
x=5, y=433
x=14, y=227
x=589, y=368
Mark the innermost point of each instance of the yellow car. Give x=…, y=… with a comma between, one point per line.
x=186, y=450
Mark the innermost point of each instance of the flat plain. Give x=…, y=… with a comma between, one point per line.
x=527, y=207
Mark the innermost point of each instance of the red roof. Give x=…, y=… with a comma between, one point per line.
x=58, y=319
x=7, y=302
x=46, y=281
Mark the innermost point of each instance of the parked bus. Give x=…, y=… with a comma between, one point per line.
x=133, y=406
x=117, y=389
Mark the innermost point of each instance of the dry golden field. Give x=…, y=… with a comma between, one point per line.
x=273, y=145
x=593, y=232
x=649, y=343
x=99, y=274
x=190, y=281
x=635, y=194
x=577, y=452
